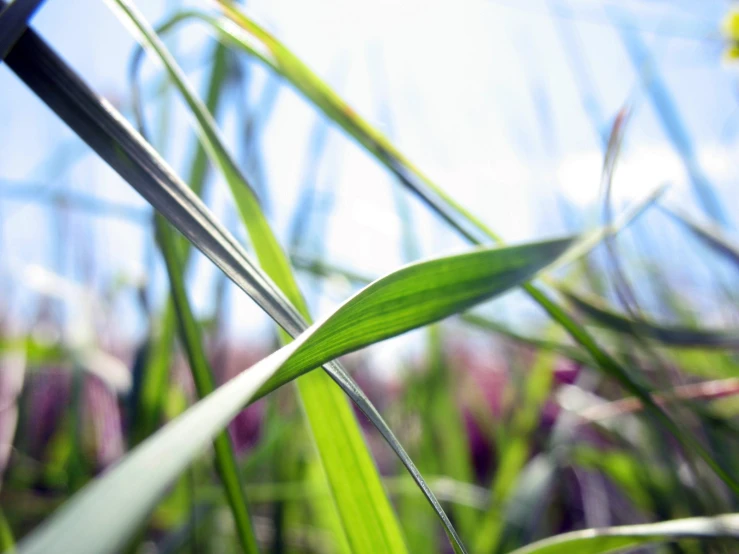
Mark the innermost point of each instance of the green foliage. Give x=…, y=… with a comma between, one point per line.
x=114, y=505
x=501, y=458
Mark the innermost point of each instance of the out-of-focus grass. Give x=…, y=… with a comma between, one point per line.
x=516, y=432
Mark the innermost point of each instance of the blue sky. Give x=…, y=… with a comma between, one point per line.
x=481, y=95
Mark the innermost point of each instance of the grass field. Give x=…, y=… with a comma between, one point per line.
x=606, y=423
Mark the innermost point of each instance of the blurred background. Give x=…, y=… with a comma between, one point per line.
x=509, y=106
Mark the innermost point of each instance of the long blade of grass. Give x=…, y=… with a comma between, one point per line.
x=113, y=139
x=409, y=304
x=154, y=380
x=670, y=335
x=205, y=385
x=112, y=507
x=323, y=269
x=612, y=539
x=266, y=247
x=98, y=124
x=365, y=510
x=245, y=34
x=252, y=38
x=710, y=235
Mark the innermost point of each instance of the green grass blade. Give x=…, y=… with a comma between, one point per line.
x=366, y=512
x=113, y=139
x=205, y=384
x=612, y=539
x=265, y=244
x=7, y=544
x=106, y=132
x=149, y=405
x=484, y=271
x=255, y=40
x=684, y=337
x=112, y=507
x=708, y=234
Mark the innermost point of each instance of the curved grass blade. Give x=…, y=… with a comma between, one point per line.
x=709, y=235
x=255, y=40
x=246, y=201
x=205, y=385
x=365, y=510
x=684, y=337
x=149, y=403
x=485, y=271
x=612, y=539
x=112, y=507
x=113, y=139
x=243, y=33
x=98, y=124
x=575, y=354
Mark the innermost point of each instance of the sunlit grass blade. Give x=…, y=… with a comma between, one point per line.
x=13, y=21
x=253, y=39
x=245, y=34
x=154, y=380
x=668, y=335
x=485, y=271
x=205, y=384
x=266, y=247
x=112, y=138
x=112, y=507
x=708, y=234
x=365, y=511
x=612, y=539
